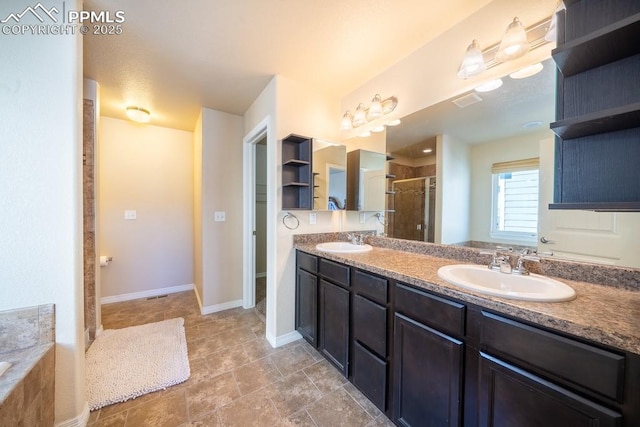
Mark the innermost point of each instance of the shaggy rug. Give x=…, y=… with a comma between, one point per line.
x=123, y=364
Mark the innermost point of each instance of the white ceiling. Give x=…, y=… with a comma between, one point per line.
x=175, y=57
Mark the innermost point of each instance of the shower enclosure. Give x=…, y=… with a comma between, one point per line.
x=414, y=202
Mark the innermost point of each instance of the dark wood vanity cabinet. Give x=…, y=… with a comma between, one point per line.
x=306, y=314
x=334, y=309
x=427, y=360
x=370, y=342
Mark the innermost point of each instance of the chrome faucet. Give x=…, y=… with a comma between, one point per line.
x=498, y=262
x=356, y=238
x=525, y=255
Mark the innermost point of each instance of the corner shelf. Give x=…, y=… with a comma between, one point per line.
x=608, y=44
x=610, y=120
x=296, y=173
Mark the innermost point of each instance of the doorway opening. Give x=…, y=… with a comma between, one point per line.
x=260, y=226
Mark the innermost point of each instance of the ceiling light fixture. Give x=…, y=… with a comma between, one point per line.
x=527, y=71
x=489, y=86
x=139, y=115
x=427, y=150
x=374, y=113
x=516, y=42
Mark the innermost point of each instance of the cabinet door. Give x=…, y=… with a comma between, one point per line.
x=334, y=324
x=510, y=397
x=306, y=306
x=369, y=374
x=427, y=384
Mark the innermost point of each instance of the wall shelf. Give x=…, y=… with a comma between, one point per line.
x=610, y=120
x=297, y=178
x=609, y=44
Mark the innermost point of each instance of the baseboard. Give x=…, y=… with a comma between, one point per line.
x=261, y=275
x=79, y=421
x=210, y=309
x=145, y=294
x=281, y=340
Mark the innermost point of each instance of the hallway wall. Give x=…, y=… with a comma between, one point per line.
x=148, y=169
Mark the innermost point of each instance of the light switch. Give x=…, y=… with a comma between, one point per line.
x=312, y=218
x=219, y=216
x=363, y=217
x=130, y=214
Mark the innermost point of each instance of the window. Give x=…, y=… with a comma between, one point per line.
x=515, y=200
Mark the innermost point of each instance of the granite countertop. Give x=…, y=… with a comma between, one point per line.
x=605, y=314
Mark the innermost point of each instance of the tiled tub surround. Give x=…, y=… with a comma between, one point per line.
x=606, y=309
x=27, y=387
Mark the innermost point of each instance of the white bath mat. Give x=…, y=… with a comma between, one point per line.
x=123, y=364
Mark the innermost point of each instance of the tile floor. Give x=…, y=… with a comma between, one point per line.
x=237, y=379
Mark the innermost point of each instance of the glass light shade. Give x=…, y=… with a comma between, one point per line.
x=138, y=114
x=489, y=86
x=514, y=43
x=527, y=71
x=378, y=128
x=360, y=116
x=375, y=109
x=346, y=124
x=473, y=62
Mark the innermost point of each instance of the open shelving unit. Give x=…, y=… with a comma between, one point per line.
x=297, y=179
x=598, y=106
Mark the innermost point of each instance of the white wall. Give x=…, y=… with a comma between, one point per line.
x=220, y=191
x=41, y=191
x=453, y=190
x=483, y=156
x=148, y=169
x=428, y=75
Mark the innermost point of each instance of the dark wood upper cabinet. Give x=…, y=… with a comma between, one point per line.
x=598, y=106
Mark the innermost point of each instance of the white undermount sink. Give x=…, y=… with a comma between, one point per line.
x=342, y=248
x=532, y=287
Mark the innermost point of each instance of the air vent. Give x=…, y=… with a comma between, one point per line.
x=466, y=100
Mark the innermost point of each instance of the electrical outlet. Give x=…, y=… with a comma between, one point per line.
x=130, y=214
x=363, y=218
x=219, y=217
x=312, y=218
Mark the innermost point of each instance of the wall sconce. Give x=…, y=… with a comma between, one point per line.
x=363, y=115
x=138, y=114
x=516, y=42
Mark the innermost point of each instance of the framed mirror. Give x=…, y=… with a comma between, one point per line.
x=456, y=148
x=329, y=175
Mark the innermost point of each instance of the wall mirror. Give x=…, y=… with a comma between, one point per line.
x=447, y=161
x=366, y=176
x=329, y=175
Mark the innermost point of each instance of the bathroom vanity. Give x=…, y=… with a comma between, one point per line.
x=426, y=352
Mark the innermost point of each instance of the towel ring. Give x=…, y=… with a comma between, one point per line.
x=290, y=215
x=381, y=218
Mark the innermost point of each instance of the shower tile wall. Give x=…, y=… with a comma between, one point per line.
x=88, y=203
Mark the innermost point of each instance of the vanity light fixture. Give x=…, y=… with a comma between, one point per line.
x=473, y=62
x=514, y=42
x=374, y=113
x=139, y=115
x=489, y=86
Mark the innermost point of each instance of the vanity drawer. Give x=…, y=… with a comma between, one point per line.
x=336, y=272
x=440, y=313
x=568, y=361
x=370, y=286
x=307, y=262
x=370, y=324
